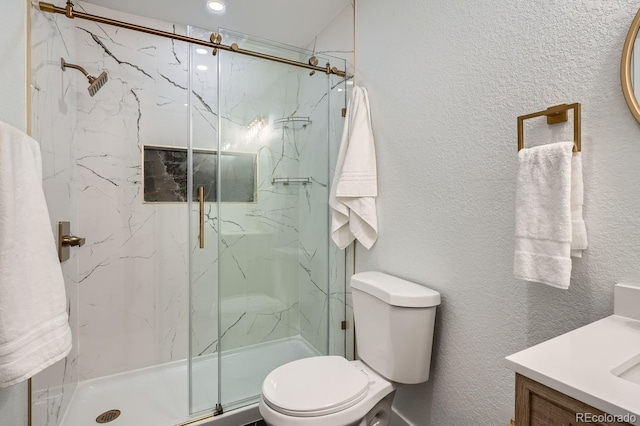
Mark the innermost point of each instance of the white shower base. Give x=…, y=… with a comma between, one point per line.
x=159, y=395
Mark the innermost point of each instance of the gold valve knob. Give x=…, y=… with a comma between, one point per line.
x=66, y=241
x=72, y=241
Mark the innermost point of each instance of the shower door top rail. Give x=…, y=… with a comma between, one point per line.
x=215, y=42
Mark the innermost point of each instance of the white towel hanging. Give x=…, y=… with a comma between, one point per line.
x=355, y=185
x=34, y=325
x=548, y=204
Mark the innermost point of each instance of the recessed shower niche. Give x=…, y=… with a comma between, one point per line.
x=180, y=305
x=165, y=174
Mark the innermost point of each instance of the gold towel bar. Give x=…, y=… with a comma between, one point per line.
x=555, y=114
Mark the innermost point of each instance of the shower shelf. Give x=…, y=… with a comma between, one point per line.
x=294, y=119
x=295, y=122
x=291, y=180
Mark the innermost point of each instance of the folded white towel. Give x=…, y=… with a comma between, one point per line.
x=579, y=231
x=355, y=184
x=34, y=326
x=544, y=231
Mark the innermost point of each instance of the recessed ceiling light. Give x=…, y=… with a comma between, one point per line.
x=201, y=51
x=215, y=5
x=202, y=67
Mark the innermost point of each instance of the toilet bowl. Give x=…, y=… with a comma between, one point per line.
x=342, y=393
x=395, y=335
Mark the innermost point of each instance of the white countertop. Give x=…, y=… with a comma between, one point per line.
x=579, y=364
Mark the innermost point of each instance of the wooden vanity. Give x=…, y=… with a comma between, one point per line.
x=539, y=405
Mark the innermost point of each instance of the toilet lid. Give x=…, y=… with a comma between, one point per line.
x=315, y=386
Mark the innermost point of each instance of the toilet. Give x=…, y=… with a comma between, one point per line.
x=394, y=332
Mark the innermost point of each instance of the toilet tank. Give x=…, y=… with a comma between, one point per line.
x=394, y=321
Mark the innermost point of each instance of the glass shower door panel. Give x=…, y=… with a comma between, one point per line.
x=203, y=230
x=273, y=189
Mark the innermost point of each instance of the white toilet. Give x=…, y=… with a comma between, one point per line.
x=394, y=333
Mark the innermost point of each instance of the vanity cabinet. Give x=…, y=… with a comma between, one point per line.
x=539, y=405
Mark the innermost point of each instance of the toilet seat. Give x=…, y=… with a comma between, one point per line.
x=316, y=386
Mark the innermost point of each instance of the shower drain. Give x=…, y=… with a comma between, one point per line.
x=108, y=416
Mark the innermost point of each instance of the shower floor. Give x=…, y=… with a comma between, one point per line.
x=159, y=395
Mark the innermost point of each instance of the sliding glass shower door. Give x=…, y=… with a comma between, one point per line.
x=203, y=165
x=260, y=181
x=273, y=216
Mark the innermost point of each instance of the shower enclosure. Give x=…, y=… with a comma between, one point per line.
x=200, y=183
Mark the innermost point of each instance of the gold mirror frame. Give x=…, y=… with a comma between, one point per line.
x=625, y=68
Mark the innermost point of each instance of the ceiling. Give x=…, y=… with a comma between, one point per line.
x=293, y=22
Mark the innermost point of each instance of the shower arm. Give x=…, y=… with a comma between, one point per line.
x=64, y=65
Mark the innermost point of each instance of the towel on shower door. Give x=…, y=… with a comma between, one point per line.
x=355, y=183
x=34, y=325
x=549, y=225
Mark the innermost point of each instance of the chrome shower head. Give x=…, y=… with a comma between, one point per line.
x=95, y=83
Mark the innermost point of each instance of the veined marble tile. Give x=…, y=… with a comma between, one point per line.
x=134, y=270
x=172, y=285
x=53, y=119
x=204, y=283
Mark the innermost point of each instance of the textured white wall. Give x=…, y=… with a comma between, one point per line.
x=13, y=400
x=447, y=79
x=13, y=49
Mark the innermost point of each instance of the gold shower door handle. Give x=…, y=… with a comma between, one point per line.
x=201, y=202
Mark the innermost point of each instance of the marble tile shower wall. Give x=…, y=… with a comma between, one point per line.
x=320, y=263
x=298, y=265
x=133, y=271
x=259, y=241
x=54, y=108
x=313, y=275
